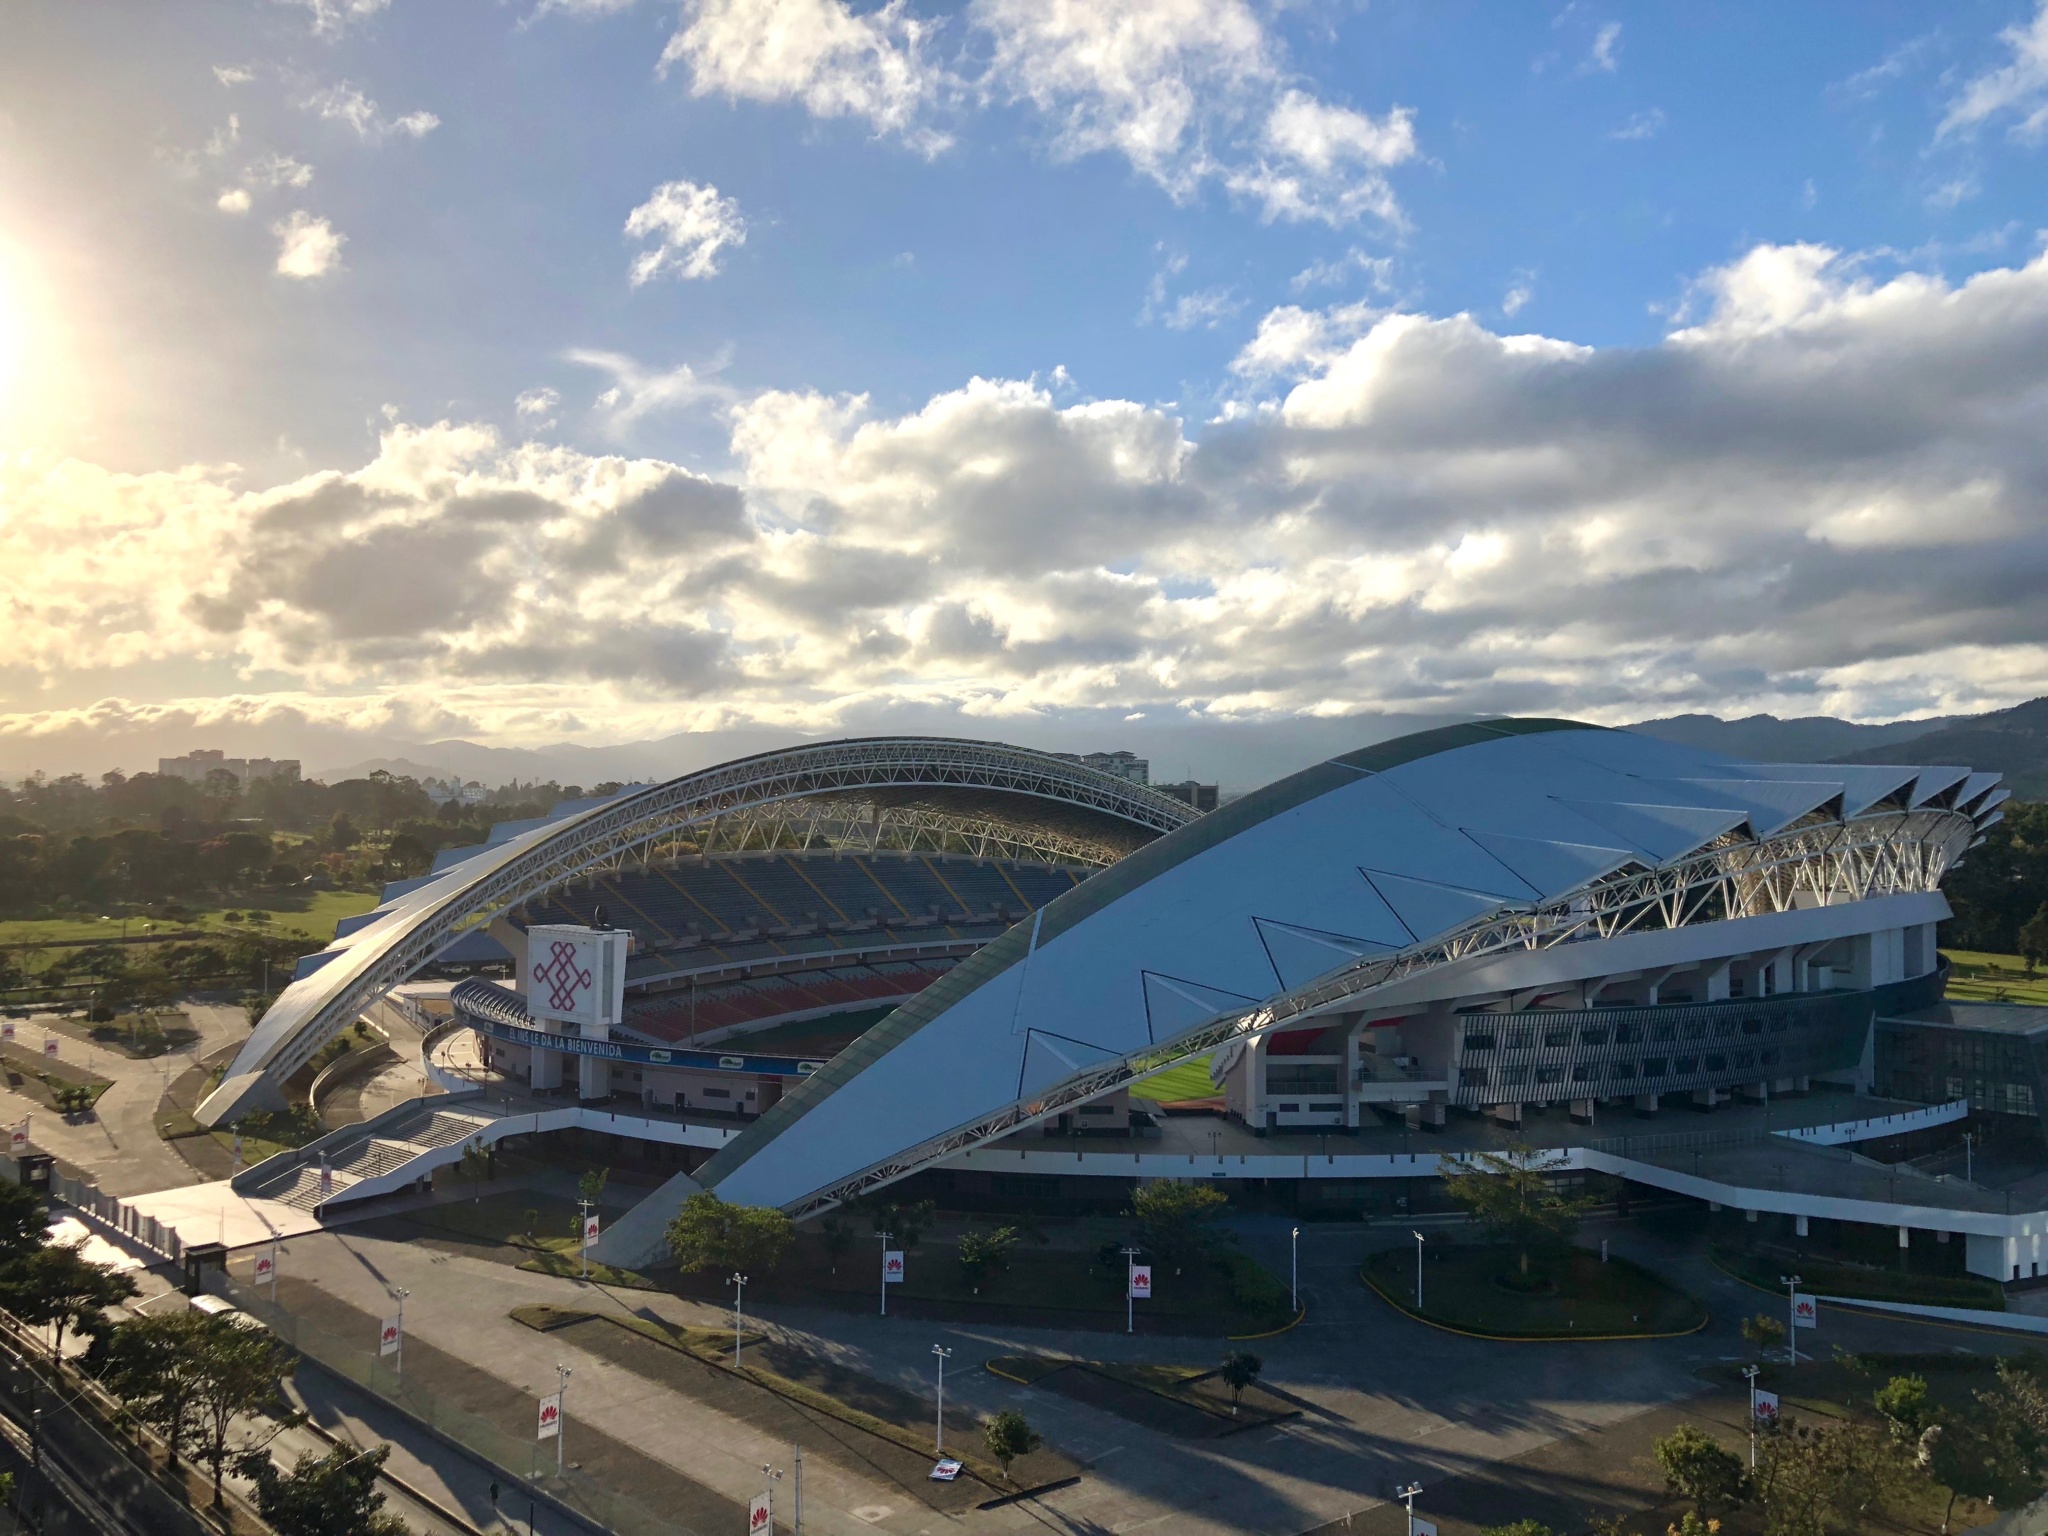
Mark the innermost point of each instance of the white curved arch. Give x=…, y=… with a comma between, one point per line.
x=375, y=958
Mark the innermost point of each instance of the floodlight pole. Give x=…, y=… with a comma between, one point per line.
x=1969, y=1159
x=1791, y=1284
x=1752, y=1372
x=582, y=1228
x=1418, y=1271
x=739, y=1299
x=885, y=1236
x=1130, y=1268
x=939, y=1439
x=1294, y=1270
x=1407, y=1495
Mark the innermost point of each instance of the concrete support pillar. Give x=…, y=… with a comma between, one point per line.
x=1717, y=984
x=1941, y=1237
x=1754, y=1093
x=1714, y=1206
x=1706, y=1098
x=1506, y=1114
x=1799, y=1226
x=1905, y=1237
x=1582, y=1111
x=546, y=1068
x=1749, y=1216
x=594, y=1073
x=1646, y=1103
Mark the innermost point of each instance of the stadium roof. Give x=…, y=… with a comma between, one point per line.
x=1309, y=893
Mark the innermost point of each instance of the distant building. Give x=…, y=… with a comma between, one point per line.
x=195, y=766
x=1127, y=766
x=1201, y=796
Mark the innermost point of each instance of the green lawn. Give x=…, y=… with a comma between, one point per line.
x=1464, y=1287
x=1981, y=978
x=1867, y=1282
x=1189, y=1080
x=311, y=917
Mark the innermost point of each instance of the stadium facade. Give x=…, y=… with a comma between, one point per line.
x=856, y=962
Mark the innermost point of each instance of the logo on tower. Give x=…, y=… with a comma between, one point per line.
x=576, y=975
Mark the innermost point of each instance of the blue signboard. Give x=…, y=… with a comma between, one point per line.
x=652, y=1055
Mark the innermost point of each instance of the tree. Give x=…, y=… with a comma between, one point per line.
x=1517, y=1528
x=152, y=1366
x=1905, y=1405
x=1510, y=1194
x=331, y=1495
x=905, y=1224
x=591, y=1186
x=1764, y=1331
x=236, y=1374
x=2033, y=938
x=838, y=1238
x=55, y=1285
x=1690, y=1524
x=1174, y=1218
x=1009, y=1435
x=476, y=1163
x=985, y=1253
x=23, y=1222
x=1240, y=1369
x=709, y=1233
x=1698, y=1469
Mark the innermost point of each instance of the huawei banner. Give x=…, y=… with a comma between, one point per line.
x=1141, y=1282
x=550, y=1416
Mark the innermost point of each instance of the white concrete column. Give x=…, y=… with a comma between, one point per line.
x=1905, y=1237
x=1799, y=1226
x=594, y=1073
x=1717, y=983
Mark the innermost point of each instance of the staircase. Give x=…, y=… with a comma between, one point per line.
x=389, y=1152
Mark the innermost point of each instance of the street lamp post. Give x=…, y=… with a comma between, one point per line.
x=885, y=1236
x=1791, y=1284
x=1969, y=1159
x=1294, y=1269
x=1407, y=1494
x=1130, y=1309
x=561, y=1417
x=1752, y=1372
x=939, y=1438
x=1418, y=1271
x=398, y=1294
x=739, y=1311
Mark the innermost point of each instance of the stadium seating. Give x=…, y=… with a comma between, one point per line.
x=742, y=900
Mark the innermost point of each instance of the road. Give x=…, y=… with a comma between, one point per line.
x=118, y=1141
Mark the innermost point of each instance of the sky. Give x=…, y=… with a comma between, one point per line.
x=589, y=370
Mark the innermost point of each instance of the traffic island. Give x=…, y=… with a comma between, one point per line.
x=1566, y=1295
x=870, y=1428
x=1190, y=1402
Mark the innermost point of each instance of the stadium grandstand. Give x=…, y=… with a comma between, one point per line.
x=949, y=962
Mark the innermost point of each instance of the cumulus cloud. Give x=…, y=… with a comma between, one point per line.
x=2019, y=87
x=307, y=247
x=348, y=106
x=690, y=224
x=637, y=390
x=1604, y=57
x=333, y=17
x=536, y=406
x=234, y=200
x=871, y=66
x=1642, y=125
x=1820, y=493
x=1190, y=92
x=233, y=74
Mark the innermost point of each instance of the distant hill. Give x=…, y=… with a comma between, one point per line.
x=2013, y=742
x=1807, y=739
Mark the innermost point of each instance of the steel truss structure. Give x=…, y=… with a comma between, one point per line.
x=1820, y=860
x=382, y=954
x=860, y=824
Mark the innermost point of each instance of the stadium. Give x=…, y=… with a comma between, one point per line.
x=856, y=963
